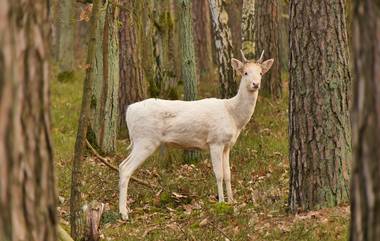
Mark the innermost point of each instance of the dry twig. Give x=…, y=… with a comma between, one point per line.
x=107, y=162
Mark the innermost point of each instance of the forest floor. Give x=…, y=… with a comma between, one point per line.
x=185, y=206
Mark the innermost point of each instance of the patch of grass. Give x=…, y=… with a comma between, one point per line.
x=223, y=209
x=66, y=76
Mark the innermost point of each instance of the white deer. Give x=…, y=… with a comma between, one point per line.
x=210, y=123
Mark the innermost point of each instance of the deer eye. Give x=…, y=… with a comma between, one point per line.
x=245, y=73
x=261, y=74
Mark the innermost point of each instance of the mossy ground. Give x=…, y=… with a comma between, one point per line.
x=186, y=208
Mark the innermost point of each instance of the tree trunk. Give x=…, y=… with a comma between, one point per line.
x=27, y=189
x=284, y=35
x=223, y=46
x=132, y=85
x=234, y=10
x=65, y=36
x=203, y=39
x=188, y=63
x=267, y=39
x=319, y=119
x=365, y=206
x=105, y=98
x=77, y=229
x=164, y=47
x=248, y=28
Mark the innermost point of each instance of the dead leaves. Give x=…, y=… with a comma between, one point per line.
x=85, y=14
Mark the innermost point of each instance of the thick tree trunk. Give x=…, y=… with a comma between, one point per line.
x=105, y=97
x=248, y=28
x=132, y=85
x=267, y=39
x=77, y=229
x=365, y=206
x=188, y=63
x=319, y=119
x=65, y=35
x=159, y=38
x=27, y=190
x=223, y=46
x=203, y=39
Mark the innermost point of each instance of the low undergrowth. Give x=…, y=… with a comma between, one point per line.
x=184, y=207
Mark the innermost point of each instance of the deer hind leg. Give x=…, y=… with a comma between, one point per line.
x=216, y=152
x=140, y=152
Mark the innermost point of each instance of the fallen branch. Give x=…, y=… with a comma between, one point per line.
x=220, y=231
x=106, y=162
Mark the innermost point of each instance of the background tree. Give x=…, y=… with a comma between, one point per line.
x=132, y=84
x=248, y=28
x=105, y=93
x=65, y=37
x=165, y=50
x=283, y=8
x=223, y=46
x=27, y=196
x=203, y=39
x=319, y=119
x=267, y=39
x=365, y=222
x=188, y=62
x=77, y=230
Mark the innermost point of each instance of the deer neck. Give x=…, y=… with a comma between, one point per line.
x=242, y=106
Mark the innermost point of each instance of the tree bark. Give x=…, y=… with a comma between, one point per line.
x=188, y=63
x=132, y=83
x=223, y=46
x=27, y=189
x=284, y=35
x=365, y=206
x=77, y=229
x=234, y=10
x=248, y=28
x=65, y=38
x=164, y=49
x=319, y=102
x=105, y=97
x=267, y=39
x=203, y=39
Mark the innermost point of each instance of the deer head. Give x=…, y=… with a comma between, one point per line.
x=251, y=70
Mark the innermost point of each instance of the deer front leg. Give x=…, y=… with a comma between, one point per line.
x=227, y=173
x=216, y=152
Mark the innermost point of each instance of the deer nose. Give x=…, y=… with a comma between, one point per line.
x=256, y=86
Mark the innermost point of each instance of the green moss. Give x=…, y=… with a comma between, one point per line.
x=110, y=217
x=223, y=209
x=66, y=76
x=172, y=94
x=165, y=198
x=165, y=21
x=153, y=89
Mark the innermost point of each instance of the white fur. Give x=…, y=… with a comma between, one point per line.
x=212, y=124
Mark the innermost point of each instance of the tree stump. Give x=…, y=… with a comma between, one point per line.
x=92, y=215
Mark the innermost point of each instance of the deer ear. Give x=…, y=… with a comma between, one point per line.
x=237, y=65
x=266, y=65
